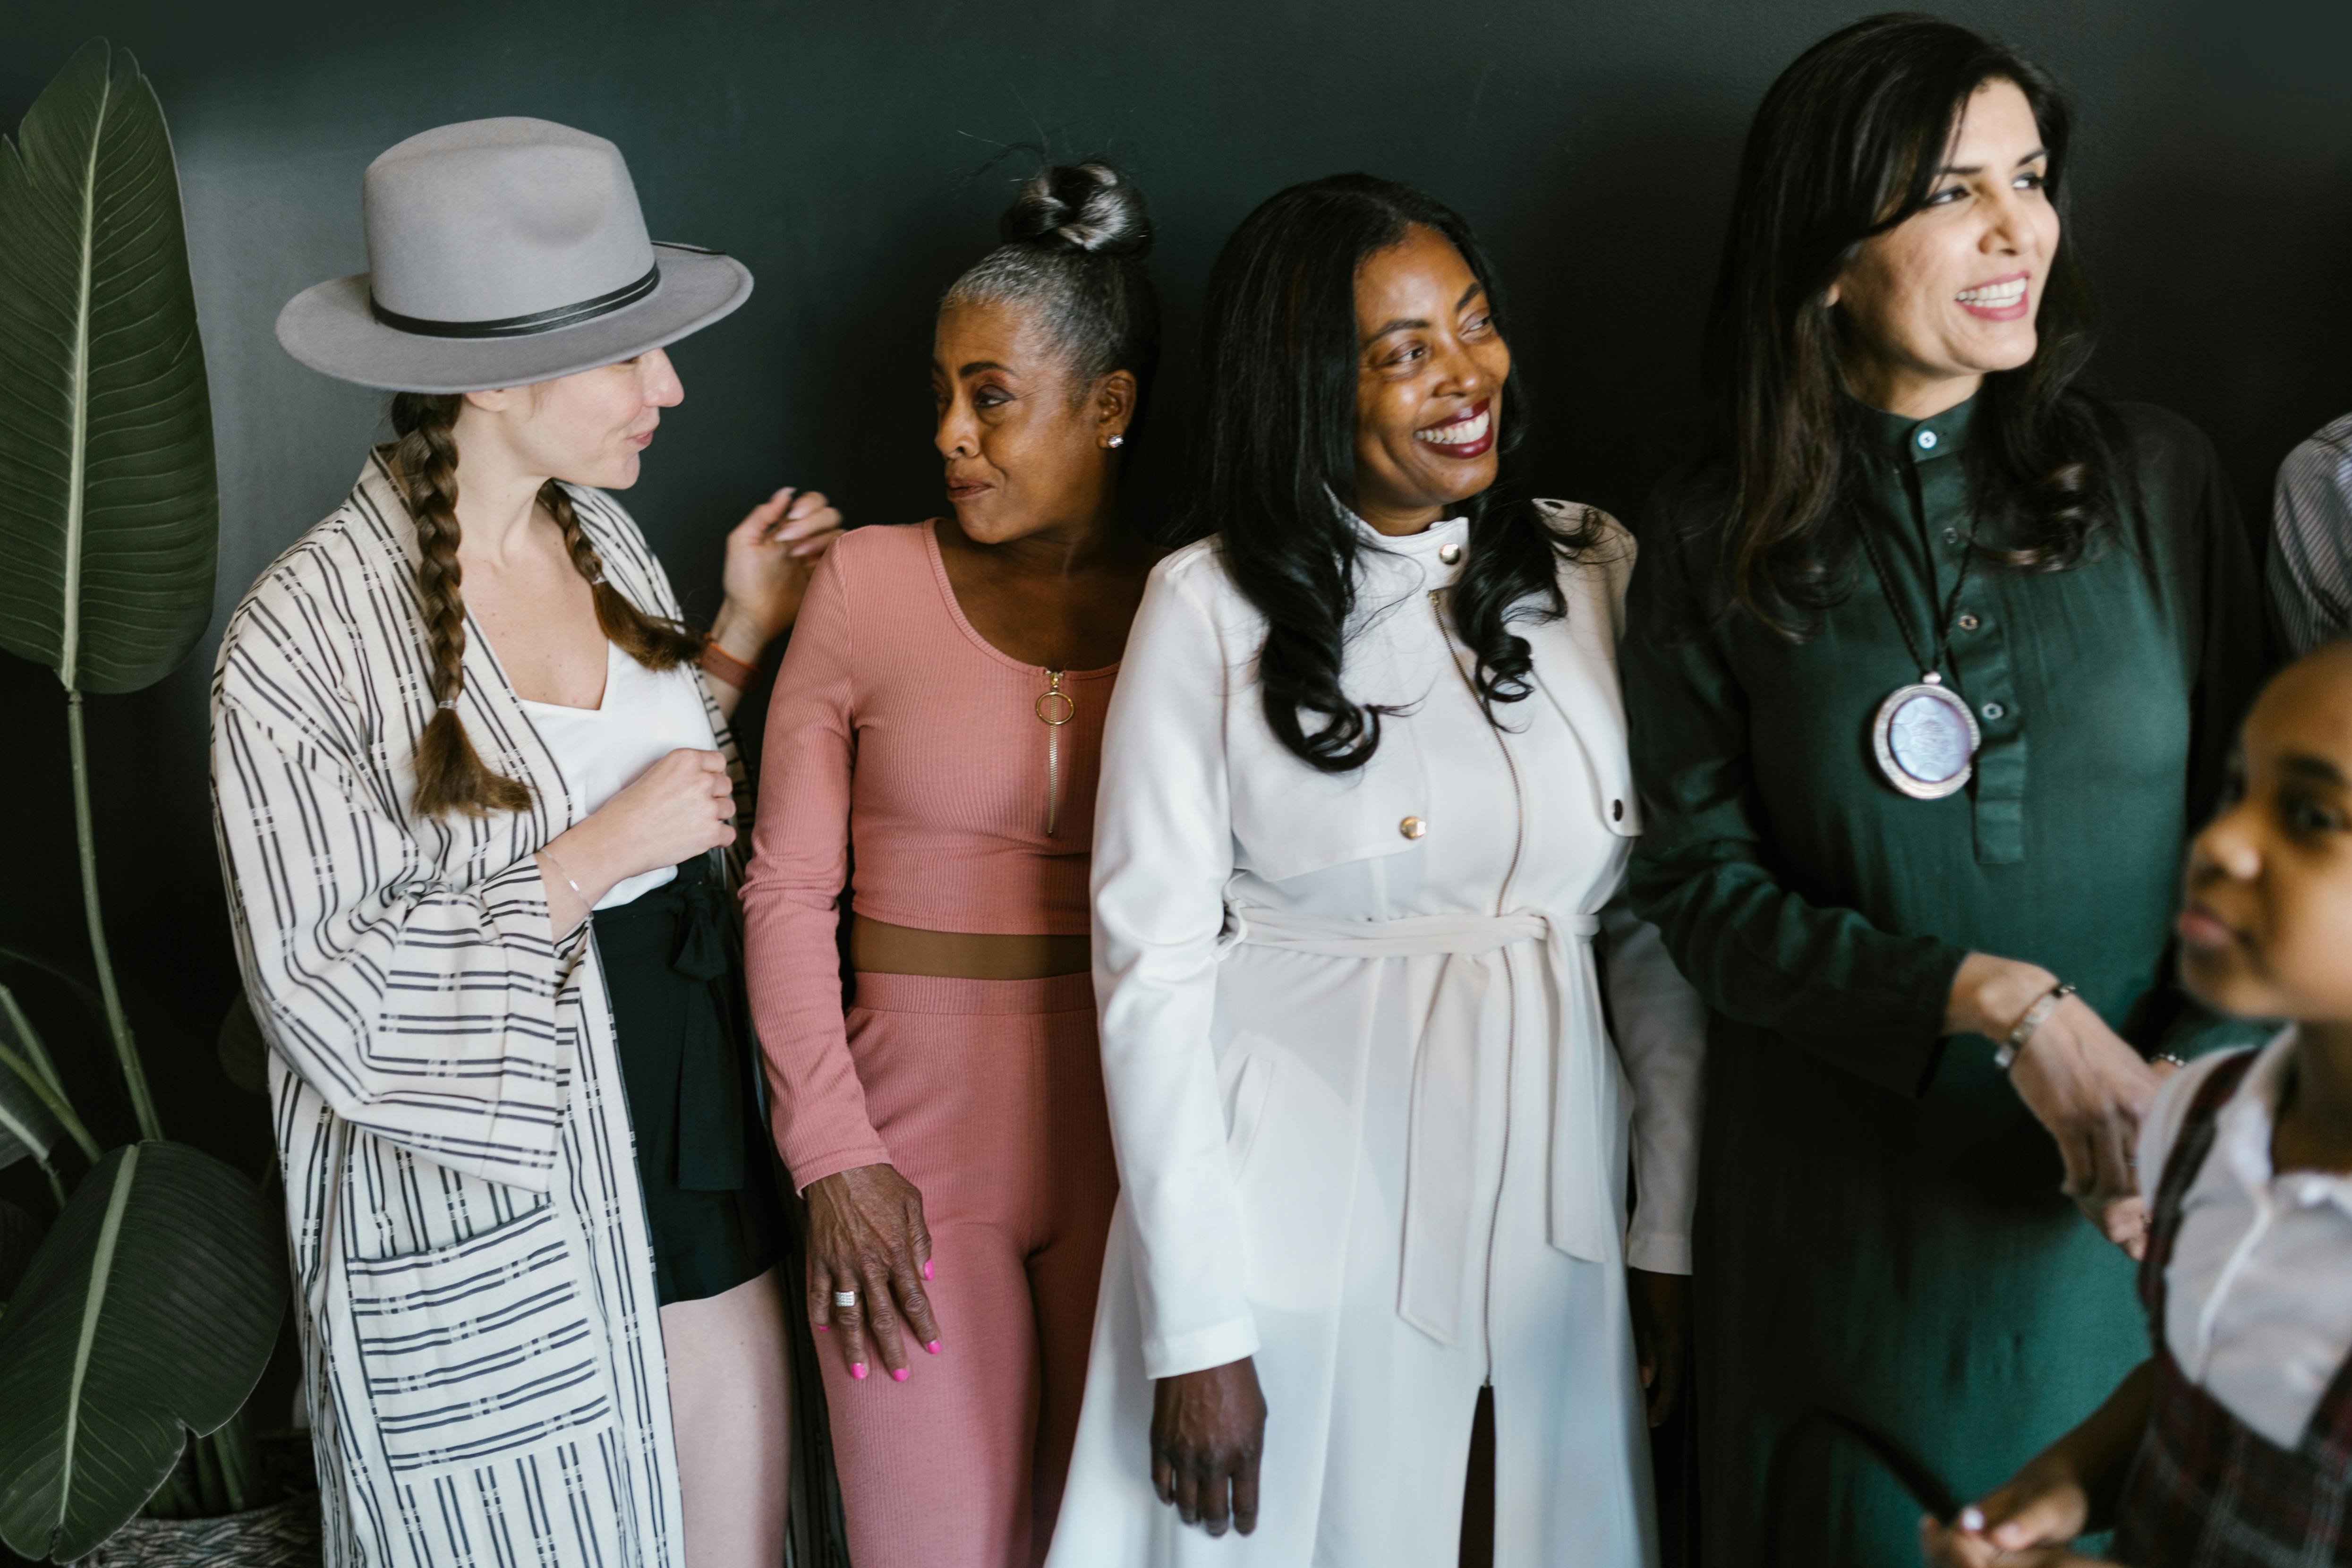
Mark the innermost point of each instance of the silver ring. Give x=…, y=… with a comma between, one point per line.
x=845, y=1298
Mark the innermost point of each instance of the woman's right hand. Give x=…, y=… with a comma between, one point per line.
x=2080, y=1080
x=2025, y=1524
x=674, y=810
x=867, y=1235
x=1208, y=1428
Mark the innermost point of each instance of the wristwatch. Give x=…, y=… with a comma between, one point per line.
x=2035, y=1016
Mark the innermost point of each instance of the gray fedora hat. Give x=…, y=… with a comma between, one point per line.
x=502, y=252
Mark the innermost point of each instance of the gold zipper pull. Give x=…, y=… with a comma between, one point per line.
x=1053, y=707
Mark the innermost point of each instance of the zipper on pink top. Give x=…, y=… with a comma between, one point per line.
x=1053, y=707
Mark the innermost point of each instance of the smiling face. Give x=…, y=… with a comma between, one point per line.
x=2267, y=918
x=1950, y=293
x=1429, y=370
x=1027, y=446
x=589, y=428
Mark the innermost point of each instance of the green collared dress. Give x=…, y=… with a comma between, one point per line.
x=1881, y=1233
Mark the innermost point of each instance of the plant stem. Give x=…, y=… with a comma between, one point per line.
x=48, y=1096
x=134, y=1077
x=232, y=1447
x=56, y=1187
x=174, y=1498
x=208, y=1480
x=30, y=1040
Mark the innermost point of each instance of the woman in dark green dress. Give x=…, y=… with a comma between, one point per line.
x=1930, y=669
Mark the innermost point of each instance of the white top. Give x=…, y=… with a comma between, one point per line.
x=1372, y=1119
x=646, y=715
x=1206, y=825
x=2258, y=1295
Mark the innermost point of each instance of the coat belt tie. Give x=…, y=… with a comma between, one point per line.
x=1440, y=1158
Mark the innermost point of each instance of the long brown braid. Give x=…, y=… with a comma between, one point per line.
x=653, y=641
x=450, y=775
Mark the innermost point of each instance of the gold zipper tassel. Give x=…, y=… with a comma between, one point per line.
x=1054, y=708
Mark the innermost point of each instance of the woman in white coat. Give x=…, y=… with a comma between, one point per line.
x=1364, y=806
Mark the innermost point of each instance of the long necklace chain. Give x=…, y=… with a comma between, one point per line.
x=1932, y=671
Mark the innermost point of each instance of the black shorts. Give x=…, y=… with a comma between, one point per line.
x=674, y=976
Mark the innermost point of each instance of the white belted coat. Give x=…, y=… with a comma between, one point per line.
x=1372, y=1128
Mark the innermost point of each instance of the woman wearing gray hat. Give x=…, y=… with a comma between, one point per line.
x=476, y=849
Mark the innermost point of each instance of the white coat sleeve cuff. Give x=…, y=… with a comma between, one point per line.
x=1658, y=1254
x=1200, y=1350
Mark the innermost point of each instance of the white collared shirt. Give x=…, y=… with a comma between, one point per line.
x=2258, y=1294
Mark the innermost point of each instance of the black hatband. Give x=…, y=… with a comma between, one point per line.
x=523, y=326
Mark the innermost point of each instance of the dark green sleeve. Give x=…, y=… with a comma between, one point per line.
x=1827, y=979
x=2234, y=655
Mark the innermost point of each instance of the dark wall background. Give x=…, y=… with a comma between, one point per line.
x=834, y=147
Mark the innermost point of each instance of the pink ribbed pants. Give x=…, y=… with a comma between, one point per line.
x=989, y=1094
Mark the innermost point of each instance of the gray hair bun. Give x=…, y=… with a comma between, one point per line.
x=1089, y=207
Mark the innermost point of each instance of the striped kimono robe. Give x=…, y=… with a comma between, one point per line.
x=482, y=1354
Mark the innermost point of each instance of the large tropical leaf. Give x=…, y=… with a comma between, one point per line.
x=110, y=514
x=20, y=1233
x=147, y=1312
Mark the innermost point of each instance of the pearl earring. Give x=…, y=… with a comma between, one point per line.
x=1116, y=441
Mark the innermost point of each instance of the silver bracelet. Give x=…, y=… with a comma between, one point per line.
x=562, y=873
x=2035, y=1016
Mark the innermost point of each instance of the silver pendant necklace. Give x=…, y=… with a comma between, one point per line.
x=1924, y=736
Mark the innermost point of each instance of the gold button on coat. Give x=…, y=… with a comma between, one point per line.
x=1413, y=827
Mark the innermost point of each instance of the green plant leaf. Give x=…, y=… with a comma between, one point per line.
x=244, y=1053
x=26, y=1127
x=20, y=1233
x=109, y=509
x=147, y=1312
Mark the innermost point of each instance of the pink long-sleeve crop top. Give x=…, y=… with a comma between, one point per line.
x=910, y=763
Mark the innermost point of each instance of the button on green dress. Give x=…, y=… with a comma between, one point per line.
x=1881, y=1231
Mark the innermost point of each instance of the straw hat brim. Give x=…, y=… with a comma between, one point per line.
x=331, y=328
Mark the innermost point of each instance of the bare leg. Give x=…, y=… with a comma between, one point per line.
x=730, y=1404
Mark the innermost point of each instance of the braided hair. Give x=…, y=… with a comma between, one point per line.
x=451, y=775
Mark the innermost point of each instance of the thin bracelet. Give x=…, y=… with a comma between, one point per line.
x=2035, y=1016
x=717, y=661
x=562, y=873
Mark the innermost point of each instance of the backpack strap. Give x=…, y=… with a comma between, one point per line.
x=2187, y=1157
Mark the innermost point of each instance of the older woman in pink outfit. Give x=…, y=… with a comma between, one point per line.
x=932, y=753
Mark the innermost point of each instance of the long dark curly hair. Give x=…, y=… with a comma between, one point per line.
x=1277, y=443
x=1847, y=144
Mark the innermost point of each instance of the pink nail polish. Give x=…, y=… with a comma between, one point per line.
x=927, y=1268
x=933, y=1347
x=824, y=1328
x=857, y=1369
x=900, y=1375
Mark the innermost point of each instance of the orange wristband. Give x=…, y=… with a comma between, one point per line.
x=718, y=663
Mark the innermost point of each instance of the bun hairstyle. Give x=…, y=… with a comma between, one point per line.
x=450, y=775
x=1075, y=240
